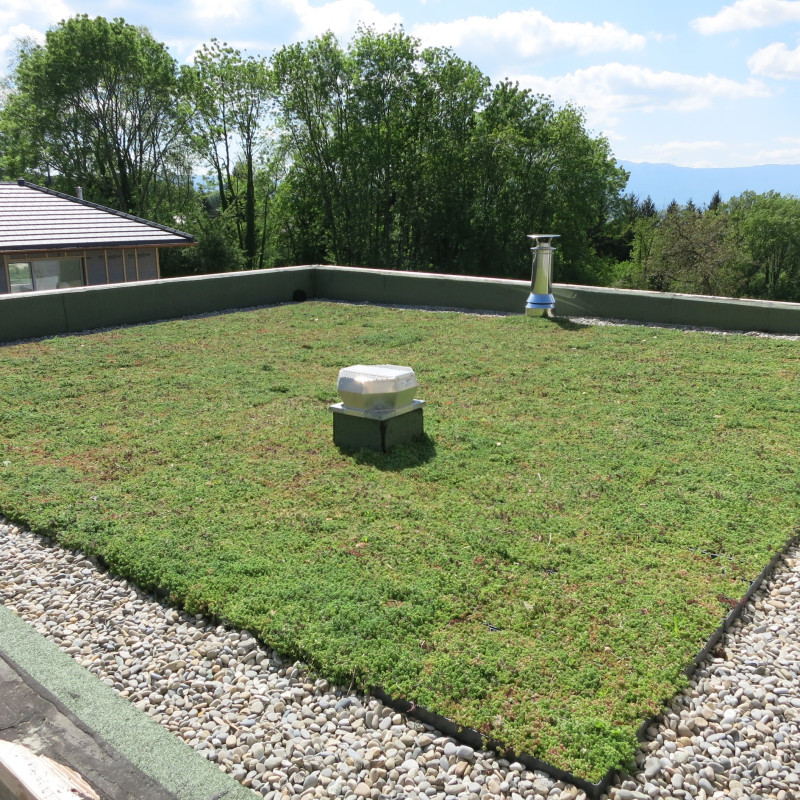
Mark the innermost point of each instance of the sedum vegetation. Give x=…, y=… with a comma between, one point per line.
x=587, y=506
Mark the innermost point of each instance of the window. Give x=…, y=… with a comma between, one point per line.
x=20, y=277
x=96, y=267
x=147, y=264
x=52, y=273
x=116, y=267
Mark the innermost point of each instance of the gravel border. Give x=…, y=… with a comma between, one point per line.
x=733, y=733
x=602, y=321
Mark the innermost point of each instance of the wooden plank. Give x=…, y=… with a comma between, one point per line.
x=27, y=776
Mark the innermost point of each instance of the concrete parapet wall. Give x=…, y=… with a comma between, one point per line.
x=354, y=284
x=50, y=313
x=678, y=309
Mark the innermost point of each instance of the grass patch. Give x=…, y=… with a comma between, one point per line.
x=588, y=503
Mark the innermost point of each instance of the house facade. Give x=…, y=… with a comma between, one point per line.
x=50, y=240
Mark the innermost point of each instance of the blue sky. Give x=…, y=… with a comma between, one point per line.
x=697, y=84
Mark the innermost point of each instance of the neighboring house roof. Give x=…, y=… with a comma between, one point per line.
x=35, y=218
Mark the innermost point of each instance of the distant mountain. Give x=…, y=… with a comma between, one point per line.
x=666, y=182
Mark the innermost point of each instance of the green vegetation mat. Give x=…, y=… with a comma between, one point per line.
x=587, y=505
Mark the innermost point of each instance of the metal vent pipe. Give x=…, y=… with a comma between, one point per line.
x=541, y=301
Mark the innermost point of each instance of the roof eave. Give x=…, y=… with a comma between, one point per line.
x=44, y=247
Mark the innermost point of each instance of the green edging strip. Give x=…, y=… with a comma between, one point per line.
x=541, y=567
x=145, y=743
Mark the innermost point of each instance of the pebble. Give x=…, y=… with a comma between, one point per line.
x=732, y=733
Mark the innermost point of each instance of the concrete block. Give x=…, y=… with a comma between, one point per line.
x=395, y=287
x=209, y=293
x=363, y=433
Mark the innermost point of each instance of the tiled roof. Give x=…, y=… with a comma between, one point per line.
x=35, y=218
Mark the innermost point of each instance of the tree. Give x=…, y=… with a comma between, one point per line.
x=313, y=83
x=539, y=171
x=98, y=105
x=378, y=145
x=231, y=97
x=217, y=248
x=647, y=208
x=444, y=179
x=585, y=183
x=379, y=137
x=404, y=157
x=766, y=231
x=511, y=168
x=614, y=239
x=749, y=247
x=684, y=251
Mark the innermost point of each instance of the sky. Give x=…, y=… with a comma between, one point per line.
x=695, y=84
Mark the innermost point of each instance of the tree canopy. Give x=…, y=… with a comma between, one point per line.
x=99, y=104
x=230, y=98
x=380, y=153
x=747, y=247
x=377, y=153
x=407, y=158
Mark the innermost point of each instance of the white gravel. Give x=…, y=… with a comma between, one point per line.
x=732, y=734
x=603, y=322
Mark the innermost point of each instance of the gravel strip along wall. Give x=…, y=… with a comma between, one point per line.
x=732, y=734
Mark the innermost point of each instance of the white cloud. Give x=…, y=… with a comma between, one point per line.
x=9, y=39
x=45, y=12
x=23, y=31
x=776, y=61
x=342, y=17
x=13, y=26
x=608, y=90
x=528, y=34
x=786, y=151
x=212, y=10
x=748, y=14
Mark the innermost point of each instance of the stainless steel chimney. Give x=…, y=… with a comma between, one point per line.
x=541, y=301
